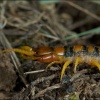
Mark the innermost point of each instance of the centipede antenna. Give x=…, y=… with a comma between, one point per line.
x=28, y=53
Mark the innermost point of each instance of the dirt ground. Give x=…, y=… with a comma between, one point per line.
x=41, y=23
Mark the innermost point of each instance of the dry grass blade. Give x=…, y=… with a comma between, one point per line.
x=80, y=23
x=37, y=81
x=14, y=58
x=33, y=72
x=84, y=10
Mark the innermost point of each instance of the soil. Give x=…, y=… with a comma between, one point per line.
x=35, y=24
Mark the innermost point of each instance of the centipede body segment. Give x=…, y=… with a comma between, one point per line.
x=63, y=54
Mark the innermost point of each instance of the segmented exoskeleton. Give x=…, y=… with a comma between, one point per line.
x=62, y=54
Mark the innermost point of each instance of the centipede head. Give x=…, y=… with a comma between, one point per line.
x=25, y=51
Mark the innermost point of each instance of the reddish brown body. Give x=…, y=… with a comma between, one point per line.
x=48, y=55
x=73, y=54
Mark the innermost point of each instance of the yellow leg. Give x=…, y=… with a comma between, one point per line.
x=77, y=61
x=64, y=68
x=23, y=50
x=25, y=57
x=54, y=62
x=26, y=48
x=95, y=63
x=29, y=57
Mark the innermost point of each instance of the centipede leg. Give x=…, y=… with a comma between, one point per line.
x=26, y=48
x=64, y=68
x=77, y=61
x=25, y=57
x=54, y=62
x=95, y=63
x=23, y=50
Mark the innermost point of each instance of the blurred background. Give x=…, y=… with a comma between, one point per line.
x=51, y=23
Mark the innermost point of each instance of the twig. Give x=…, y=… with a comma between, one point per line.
x=56, y=86
x=33, y=72
x=43, y=79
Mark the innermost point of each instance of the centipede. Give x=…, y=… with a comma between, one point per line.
x=65, y=55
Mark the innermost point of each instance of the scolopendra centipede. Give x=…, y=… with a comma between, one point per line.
x=62, y=54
